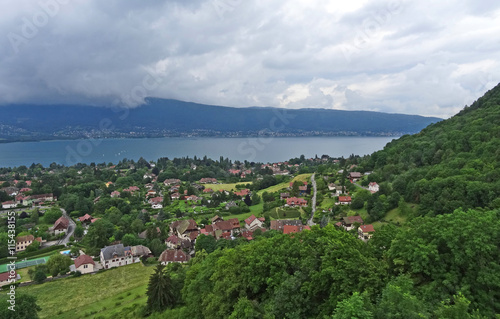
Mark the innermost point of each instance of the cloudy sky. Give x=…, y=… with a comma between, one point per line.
x=416, y=57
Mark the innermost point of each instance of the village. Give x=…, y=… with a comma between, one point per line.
x=174, y=214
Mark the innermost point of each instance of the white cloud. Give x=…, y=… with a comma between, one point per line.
x=395, y=56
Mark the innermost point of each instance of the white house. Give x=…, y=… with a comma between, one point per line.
x=252, y=222
x=116, y=256
x=373, y=187
x=9, y=204
x=84, y=264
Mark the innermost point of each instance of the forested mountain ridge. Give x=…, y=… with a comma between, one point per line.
x=450, y=164
x=163, y=117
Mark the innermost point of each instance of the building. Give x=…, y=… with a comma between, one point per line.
x=115, y=194
x=289, y=229
x=280, y=224
x=8, y=278
x=9, y=204
x=373, y=187
x=84, y=264
x=116, y=256
x=208, y=180
x=344, y=200
x=24, y=241
x=173, y=256
x=60, y=226
x=182, y=228
x=349, y=221
x=86, y=219
x=171, y=181
x=365, y=232
x=294, y=201
x=354, y=176
x=252, y=223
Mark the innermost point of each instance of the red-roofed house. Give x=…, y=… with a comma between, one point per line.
x=115, y=194
x=294, y=201
x=242, y=193
x=208, y=190
x=288, y=229
x=86, y=219
x=365, y=232
x=9, y=204
x=60, y=226
x=84, y=264
x=173, y=256
x=8, y=278
x=252, y=222
x=344, y=200
x=349, y=221
x=208, y=180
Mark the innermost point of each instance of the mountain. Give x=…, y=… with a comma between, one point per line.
x=451, y=164
x=161, y=117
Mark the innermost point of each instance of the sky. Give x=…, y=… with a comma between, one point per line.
x=416, y=57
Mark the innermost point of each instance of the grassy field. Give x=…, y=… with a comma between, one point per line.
x=279, y=213
x=226, y=187
x=395, y=217
x=254, y=210
x=282, y=186
x=328, y=202
x=103, y=294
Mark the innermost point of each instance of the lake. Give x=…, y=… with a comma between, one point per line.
x=258, y=149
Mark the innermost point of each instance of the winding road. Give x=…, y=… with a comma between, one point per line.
x=71, y=228
x=313, y=206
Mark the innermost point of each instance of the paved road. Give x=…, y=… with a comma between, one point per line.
x=310, y=220
x=71, y=228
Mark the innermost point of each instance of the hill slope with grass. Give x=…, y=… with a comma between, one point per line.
x=451, y=164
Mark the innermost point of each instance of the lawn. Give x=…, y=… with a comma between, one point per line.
x=254, y=210
x=395, y=217
x=280, y=213
x=103, y=294
x=327, y=203
x=281, y=186
x=227, y=187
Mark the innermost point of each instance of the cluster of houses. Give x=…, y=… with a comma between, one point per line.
x=28, y=200
x=365, y=232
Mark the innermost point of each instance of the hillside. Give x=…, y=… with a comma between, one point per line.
x=160, y=117
x=450, y=164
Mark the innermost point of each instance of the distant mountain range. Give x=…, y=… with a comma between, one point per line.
x=163, y=117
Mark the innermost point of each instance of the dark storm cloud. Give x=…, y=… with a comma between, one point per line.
x=396, y=56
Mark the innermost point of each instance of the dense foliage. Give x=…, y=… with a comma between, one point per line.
x=450, y=164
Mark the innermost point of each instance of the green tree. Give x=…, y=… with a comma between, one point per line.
x=207, y=243
x=58, y=264
x=352, y=308
x=255, y=199
x=157, y=247
x=25, y=307
x=39, y=276
x=51, y=215
x=79, y=231
x=35, y=245
x=160, y=291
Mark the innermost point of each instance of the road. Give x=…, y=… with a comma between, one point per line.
x=71, y=229
x=310, y=220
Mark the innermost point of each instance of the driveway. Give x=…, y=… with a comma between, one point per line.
x=71, y=229
x=310, y=220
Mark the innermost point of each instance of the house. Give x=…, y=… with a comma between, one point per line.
x=115, y=256
x=252, y=222
x=175, y=196
x=84, y=264
x=284, y=196
x=155, y=200
x=208, y=180
x=242, y=193
x=216, y=219
x=24, y=241
x=9, y=204
x=25, y=190
x=193, y=198
x=208, y=190
x=349, y=221
x=183, y=227
x=9, y=277
x=173, y=256
x=302, y=190
x=294, y=201
x=365, y=232
x=281, y=223
x=146, y=176
x=354, y=176
x=60, y=226
x=131, y=189
x=344, y=200
x=86, y=219
x=150, y=193
x=171, y=181
x=288, y=229
x=115, y=194
x=140, y=251
x=373, y=187
x=43, y=198
x=331, y=187
x=225, y=226
x=172, y=242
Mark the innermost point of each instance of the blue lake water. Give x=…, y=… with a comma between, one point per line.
x=264, y=149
